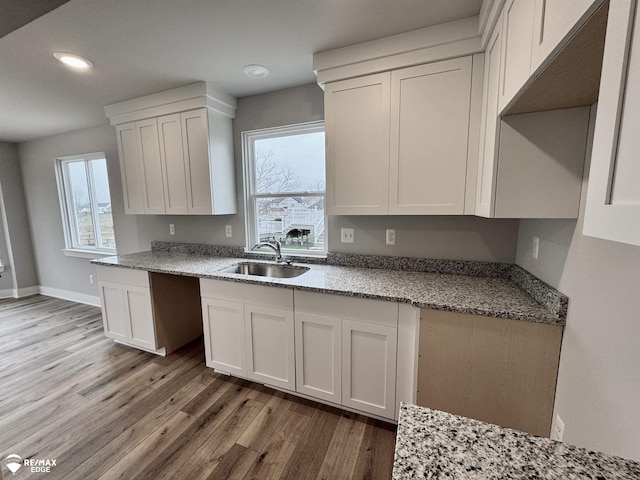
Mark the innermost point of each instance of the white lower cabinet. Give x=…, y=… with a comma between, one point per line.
x=335, y=348
x=319, y=356
x=270, y=345
x=249, y=331
x=223, y=324
x=127, y=311
x=346, y=351
x=369, y=367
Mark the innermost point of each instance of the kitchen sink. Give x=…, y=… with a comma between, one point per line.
x=272, y=270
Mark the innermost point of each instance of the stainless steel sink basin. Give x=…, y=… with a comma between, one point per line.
x=267, y=270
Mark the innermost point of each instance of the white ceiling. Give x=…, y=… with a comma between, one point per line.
x=140, y=47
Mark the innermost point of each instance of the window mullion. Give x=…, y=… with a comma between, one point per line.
x=94, y=205
x=72, y=213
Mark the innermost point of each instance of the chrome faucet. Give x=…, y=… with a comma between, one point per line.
x=273, y=245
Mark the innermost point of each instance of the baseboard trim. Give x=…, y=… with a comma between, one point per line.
x=8, y=293
x=69, y=295
x=26, y=292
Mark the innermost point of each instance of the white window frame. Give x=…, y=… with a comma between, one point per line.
x=248, y=166
x=65, y=195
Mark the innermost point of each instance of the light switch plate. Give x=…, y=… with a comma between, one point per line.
x=347, y=235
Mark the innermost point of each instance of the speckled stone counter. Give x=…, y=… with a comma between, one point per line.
x=497, y=297
x=436, y=445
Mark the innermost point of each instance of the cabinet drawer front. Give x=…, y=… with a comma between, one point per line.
x=378, y=312
x=126, y=276
x=275, y=297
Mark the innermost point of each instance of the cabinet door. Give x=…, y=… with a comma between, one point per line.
x=224, y=337
x=517, y=29
x=487, y=165
x=270, y=346
x=613, y=197
x=318, y=356
x=554, y=20
x=113, y=311
x=139, y=317
x=369, y=367
x=130, y=168
x=195, y=144
x=173, y=165
x=429, y=138
x=357, y=136
x=149, y=155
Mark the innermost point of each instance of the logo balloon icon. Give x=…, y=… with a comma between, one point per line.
x=14, y=462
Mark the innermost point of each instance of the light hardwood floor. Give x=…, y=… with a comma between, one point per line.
x=105, y=411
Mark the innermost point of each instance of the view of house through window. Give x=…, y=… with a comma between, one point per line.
x=85, y=201
x=286, y=187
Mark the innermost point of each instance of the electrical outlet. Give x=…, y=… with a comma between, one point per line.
x=227, y=231
x=536, y=247
x=557, y=430
x=347, y=235
x=391, y=236
x=91, y=279
x=172, y=229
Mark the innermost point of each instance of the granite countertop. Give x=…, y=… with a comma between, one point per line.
x=437, y=445
x=497, y=297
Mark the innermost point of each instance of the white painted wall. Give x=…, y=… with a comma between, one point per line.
x=598, y=393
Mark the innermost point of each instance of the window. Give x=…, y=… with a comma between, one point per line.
x=85, y=201
x=285, y=187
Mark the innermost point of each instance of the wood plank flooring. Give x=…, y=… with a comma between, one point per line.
x=106, y=411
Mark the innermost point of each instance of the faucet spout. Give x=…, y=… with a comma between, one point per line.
x=274, y=245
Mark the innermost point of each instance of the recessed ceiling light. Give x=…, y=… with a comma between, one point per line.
x=255, y=71
x=75, y=61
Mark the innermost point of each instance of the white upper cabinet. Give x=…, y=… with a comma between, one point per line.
x=613, y=196
x=357, y=132
x=130, y=168
x=487, y=162
x=149, y=157
x=175, y=158
x=141, y=167
x=398, y=142
x=430, y=117
x=172, y=155
x=517, y=32
x=555, y=21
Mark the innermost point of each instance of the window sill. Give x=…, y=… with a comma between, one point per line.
x=72, y=252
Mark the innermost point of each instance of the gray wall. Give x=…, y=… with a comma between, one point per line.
x=437, y=237
x=55, y=270
x=448, y=237
x=16, y=241
x=598, y=391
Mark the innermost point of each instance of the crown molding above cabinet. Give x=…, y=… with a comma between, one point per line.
x=189, y=97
